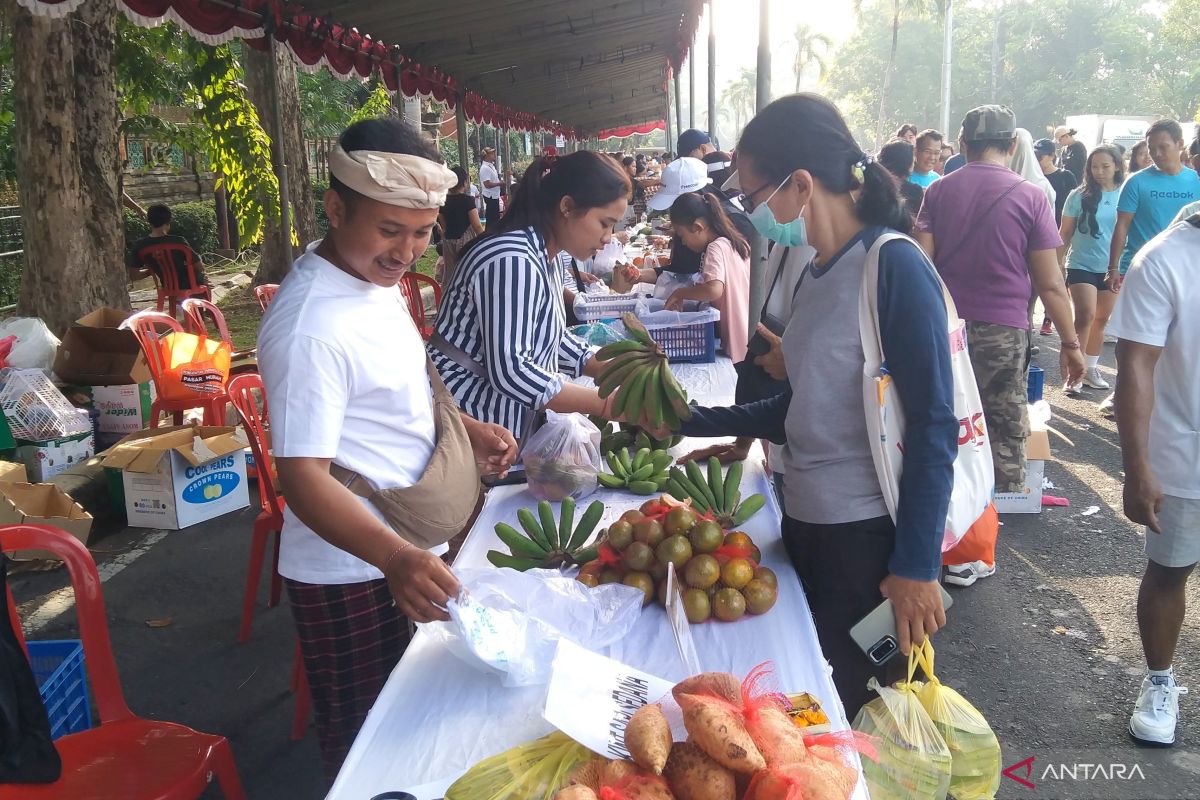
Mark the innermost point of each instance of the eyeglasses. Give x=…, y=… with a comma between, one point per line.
x=745, y=201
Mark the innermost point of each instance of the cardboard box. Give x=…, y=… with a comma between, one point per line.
x=11, y=472
x=1029, y=500
x=95, y=352
x=124, y=408
x=44, y=460
x=43, y=504
x=175, y=478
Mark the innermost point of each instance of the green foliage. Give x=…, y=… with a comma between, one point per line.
x=11, y=269
x=8, y=152
x=319, y=188
x=135, y=228
x=326, y=102
x=378, y=104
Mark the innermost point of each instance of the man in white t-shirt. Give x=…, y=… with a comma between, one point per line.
x=346, y=382
x=1158, y=416
x=490, y=178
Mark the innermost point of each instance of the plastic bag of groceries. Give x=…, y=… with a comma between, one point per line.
x=914, y=759
x=510, y=622
x=562, y=458
x=35, y=347
x=531, y=771
x=975, y=761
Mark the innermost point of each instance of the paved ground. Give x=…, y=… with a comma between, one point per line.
x=1047, y=648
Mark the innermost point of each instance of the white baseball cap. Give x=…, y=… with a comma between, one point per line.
x=681, y=176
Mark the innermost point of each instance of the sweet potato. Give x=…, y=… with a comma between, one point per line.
x=616, y=771
x=810, y=779
x=576, y=793
x=692, y=775
x=648, y=738
x=776, y=736
x=623, y=780
x=720, y=732
x=588, y=774
x=714, y=684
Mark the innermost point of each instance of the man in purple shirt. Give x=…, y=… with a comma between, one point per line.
x=989, y=232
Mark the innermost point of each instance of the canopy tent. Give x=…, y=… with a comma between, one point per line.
x=630, y=130
x=564, y=66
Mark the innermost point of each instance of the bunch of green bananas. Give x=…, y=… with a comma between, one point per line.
x=548, y=543
x=722, y=497
x=643, y=473
x=647, y=393
x=614, y=436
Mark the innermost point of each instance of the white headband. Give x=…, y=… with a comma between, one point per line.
x=397, y=179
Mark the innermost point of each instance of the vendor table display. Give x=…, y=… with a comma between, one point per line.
x=438, y=715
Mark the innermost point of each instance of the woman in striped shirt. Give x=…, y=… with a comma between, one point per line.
x=501, y=341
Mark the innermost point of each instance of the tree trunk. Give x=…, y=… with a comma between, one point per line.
x=886, y=91
x=66, y=139
x=275, y=259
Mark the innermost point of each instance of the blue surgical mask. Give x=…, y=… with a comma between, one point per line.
x=791, y=234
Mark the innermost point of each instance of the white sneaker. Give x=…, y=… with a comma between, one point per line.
x=967, y=574
x=1107, y=407
x=1073, y=389
x=1155, y=713
x=1094, y=379
x=1109, y=339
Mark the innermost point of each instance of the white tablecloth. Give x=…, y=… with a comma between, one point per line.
x=437, y=715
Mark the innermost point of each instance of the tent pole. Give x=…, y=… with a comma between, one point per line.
x=678, y=106
x=508, y=165
x=758, y=245
x=692, y=85
x=670, y=135
x=460, y=120
x=947, y=54
x=281, y=169
x=712, y=71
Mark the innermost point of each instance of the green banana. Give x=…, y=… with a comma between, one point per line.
x=587, y=524
x=643, y=487
x=626, y=462
x=676, y=490
x=549, y=526
x=630, y=389
x=613, y=377
x=701, y=485
x=645, y=473
x=566, y=520
x=715, y=484
x=614, y=463
x=689, y=487
x=586, y=554
x=521, y=546
x=676, y=396
x=733, y=480
x=642, y=440
x=639, y=460
x=636, y=389
x=531, y=526
x=610, y=351
x=636, y=329
x=670, y=418
x=661, y=481
x=751, y=506
x=499, y=559
x=661, y=459
x=611, y=481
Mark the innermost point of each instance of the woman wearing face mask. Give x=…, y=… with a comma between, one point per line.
x=501, y=341
x=806, y=181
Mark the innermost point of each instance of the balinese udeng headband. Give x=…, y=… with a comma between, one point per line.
x=397, y=179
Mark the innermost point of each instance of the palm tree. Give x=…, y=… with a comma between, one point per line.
x=911, y=9
x=740, y=96
x=811, y=48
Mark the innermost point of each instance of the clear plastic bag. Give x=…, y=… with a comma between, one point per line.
x=35, y=346
x=914, y=760
x=598, y=334
x=562, y=459
x=510, y=622
x=531, y=771
x=974, y=750
x=669, y=281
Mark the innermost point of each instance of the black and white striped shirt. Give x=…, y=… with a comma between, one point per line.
x=504, y=308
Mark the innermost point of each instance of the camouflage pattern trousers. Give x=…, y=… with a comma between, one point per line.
x=1000, y=360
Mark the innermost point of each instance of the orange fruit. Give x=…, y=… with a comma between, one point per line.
x=767, y=576
x=739, y=539
x=737, y=572
x=676, y=550
x=649, y=531
x=633, y=516
x=729, y=605
x=702, y=572
x=705, y=536
x=697, y=606
x=589, y=579
x=759, y=597
x=638, y=557
x=640, y=580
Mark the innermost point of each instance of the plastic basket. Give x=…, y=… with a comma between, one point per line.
x=36, y=410
x=1037, y=382
x=688, y=344
x=62, y=681
x=590, y=308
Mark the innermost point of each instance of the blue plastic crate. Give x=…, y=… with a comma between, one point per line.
x=688, y=344
x=62, y=681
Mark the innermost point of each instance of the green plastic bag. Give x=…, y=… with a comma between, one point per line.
x=914, y=760
x=531, y=771
x=974, y=749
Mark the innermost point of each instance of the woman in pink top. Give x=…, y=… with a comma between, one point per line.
x=700, y=223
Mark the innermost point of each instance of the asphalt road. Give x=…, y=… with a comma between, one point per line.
x=1047, y=648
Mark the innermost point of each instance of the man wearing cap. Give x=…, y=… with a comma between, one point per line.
x=354, y=404
x=693, y=143
x=1073, y=156
x=490, y=179
x=989, y=232
x=1061, y=180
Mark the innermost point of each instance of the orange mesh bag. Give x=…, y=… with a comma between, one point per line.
x=193, y=367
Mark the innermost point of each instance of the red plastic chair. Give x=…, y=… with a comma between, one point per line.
x=198, y=313
x=166, y=277
x=410, y=287
x=248, y=398
x=147, y=326
x=125, y=757
x=264, y=294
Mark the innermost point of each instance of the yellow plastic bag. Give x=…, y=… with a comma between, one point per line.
x=914, y=761
x=531, y=771
x=974, y=749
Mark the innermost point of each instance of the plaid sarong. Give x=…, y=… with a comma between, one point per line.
x=351, y=636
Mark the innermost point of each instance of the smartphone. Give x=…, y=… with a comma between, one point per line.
x=875, y=634
x=758, y=345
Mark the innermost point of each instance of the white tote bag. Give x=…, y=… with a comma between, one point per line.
x=974, y=478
